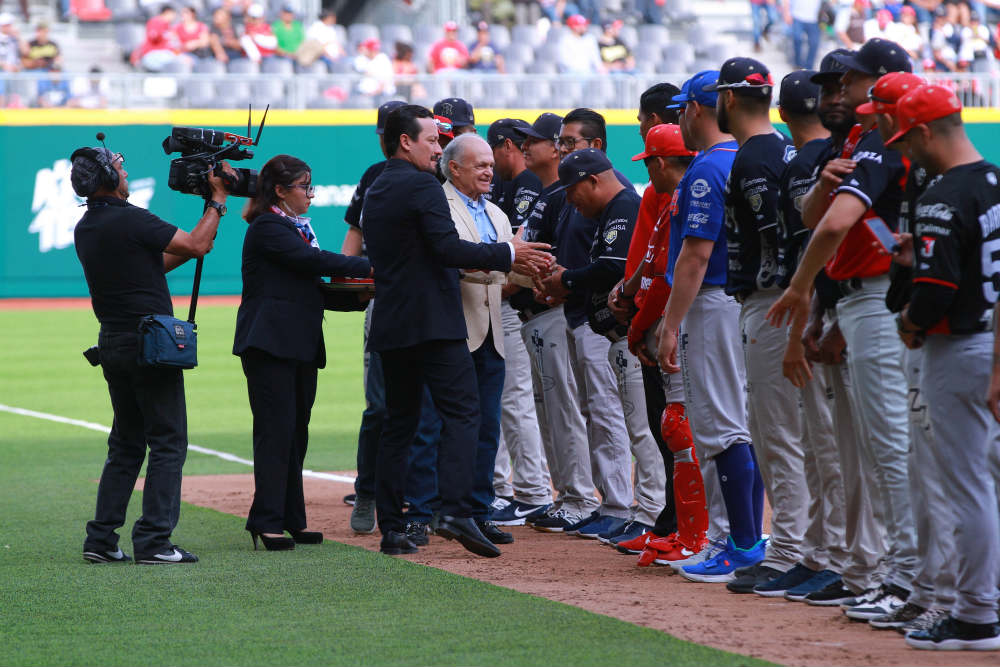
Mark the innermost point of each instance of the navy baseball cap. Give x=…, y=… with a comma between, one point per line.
x=877, y=57
x=745, y=76
x=579, y=165
x=693, y=90
x=546, y=127
x=798, y=94
x=506, y=128
x=457, y=109
x=383, y=113
x=830, y=68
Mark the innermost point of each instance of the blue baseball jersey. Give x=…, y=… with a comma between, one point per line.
x=701, y=210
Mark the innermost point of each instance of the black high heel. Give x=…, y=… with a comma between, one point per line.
x=273, y=543
x=306, y=536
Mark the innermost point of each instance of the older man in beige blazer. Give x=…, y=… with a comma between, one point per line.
x=467, y=164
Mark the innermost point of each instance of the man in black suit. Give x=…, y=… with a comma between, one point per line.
x=418, y=325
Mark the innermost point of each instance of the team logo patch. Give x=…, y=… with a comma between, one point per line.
x=798, y=203
x=756, y=201
x=522, y=206
x=447, y=109
x=928, y=249
x=790, y=152
x=610, y=237
x=700, y=188
x=179, y=331
x=991, y=178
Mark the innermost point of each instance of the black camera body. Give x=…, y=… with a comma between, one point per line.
x=202, y=152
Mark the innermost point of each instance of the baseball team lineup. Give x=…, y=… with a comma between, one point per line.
x=806, y=316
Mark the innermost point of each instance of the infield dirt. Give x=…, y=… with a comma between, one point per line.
x=589, y=575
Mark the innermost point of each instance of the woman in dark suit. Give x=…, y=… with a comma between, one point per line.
x=279, y=339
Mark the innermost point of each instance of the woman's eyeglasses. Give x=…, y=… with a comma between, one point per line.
x=310, y=189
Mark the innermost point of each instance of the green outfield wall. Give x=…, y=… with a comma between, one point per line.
x=37, y=257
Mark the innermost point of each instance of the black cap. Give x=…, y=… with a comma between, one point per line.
x=546, y=127
x=457, y=110
x=745, y=76
x=798, y=93
x=877, y=57
x=830, y=68
x=504, y=129
x=383, y=113
x=579, y=165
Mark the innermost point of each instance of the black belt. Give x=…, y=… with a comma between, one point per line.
x=850, y=286
x=742, y=296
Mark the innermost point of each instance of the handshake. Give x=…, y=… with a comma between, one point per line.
x=531, y=259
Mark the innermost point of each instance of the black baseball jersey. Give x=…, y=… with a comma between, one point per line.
x=499, y=190
x=524, y=190
x=540, y=226
x=353, y=214
x=956, y=242
x=877, y=180
x=752, y=225
x=798, y=176
x=901, y=277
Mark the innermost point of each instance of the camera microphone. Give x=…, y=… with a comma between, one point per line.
x=100, y=136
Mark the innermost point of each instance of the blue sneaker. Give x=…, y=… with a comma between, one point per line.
x=818, y=582
x=722, y=567
x=571, y=529
x=628, y=531
x=775, y=588
x=602, y=524
x=516, y=513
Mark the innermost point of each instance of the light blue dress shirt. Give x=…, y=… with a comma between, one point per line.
x=477, y=208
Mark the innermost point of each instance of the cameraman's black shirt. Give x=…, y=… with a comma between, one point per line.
x=121, y=249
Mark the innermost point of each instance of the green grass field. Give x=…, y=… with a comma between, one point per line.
x=330, y=604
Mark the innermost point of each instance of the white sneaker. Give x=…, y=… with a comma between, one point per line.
x=710, y=550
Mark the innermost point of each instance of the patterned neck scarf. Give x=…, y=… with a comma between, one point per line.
x=302, y=224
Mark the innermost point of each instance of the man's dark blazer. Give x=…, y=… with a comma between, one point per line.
x=415, y=251
x=281, y=311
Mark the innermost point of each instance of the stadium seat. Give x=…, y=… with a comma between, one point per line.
x=717, y=52
x=209, y=66
x=514, y=67
x=649, y=52
x=277, y=66
x=547, y=52
x=519, y=52
x=467, y=34
x=125, y=10
x=243, y=66
x=653, y=33
x=426, y=33
x=600, y=92
x=629, y=35
x=500, y=36
x=318, y=67
x=269, y=90
x=526, y=34
x=128, y=36
x=393, y=33
x=342, y=66
x=178, y=66
x=541, y=67
x=437, y=88
x=89, y=10
x=234, y=95
x=198, y=94
x=678, y=55
x=698, y=34
x=501, y=93
x=535, y=94
x=568, y=93
x=359, y=32
x=645, y=67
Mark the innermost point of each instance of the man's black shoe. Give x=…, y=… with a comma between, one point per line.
x=748, y=577
x=172, y=556
x=951, y=634
x=97, y=556
x=493, y=533
x=416, y=532
x=468, y=534
x=394, y=544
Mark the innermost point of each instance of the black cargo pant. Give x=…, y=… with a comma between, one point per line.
x=149, y=410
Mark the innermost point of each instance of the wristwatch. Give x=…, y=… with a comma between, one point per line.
x=220, y=208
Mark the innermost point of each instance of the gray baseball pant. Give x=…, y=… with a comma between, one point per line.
x=557, y=404
x=520, y=438
x=650, y=475
x=878, y=399
x=955, y=378
x=775, y=421
x=610, y=461
x=934, y=583
x=711, y=359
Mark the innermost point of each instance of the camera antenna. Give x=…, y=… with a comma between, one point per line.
x=261, y=128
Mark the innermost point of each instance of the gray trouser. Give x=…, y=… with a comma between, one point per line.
x=776, y=426
x=714, y=372
x=650, y=475
x=934, y=583
x=520, y=438
x=955, y=377
x=823, y=545
x=878, y=398
x=863, y=533
x=557, y=404
x=610, y=461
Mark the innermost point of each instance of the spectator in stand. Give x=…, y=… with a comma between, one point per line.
x=89, y=92
x=907, y=34
x=559, y=11
x=160, y=48
x=483, y=56
x=578, y=52
x=977, y=43
x=193, y=34
x=322, y=41
x=223, y=38
x=375, y=68
x=881, y=26
x=42, y=54
x=448, y=53
x=53, y=90
x=258, y=39
x=236, y=7
x=803, y=16
x=288, y=31
x=925, y=10
x=849, y=26
x=945, y=41
x=406, y=71
x=614, y=52
x=10, y=50
x=764, y=15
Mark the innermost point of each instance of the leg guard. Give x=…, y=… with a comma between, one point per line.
x=689, y=488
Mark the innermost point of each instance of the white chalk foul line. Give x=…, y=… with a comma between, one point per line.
x=225, y=456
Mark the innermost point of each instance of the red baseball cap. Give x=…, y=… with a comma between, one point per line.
x=888, y=90
x=923, y=105
x=664, y=140
x=371, y=43
x=445, y=127
x=576, y=19
x=449, y=26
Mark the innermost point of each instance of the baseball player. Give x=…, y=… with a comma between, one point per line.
x=955, y=236
x=752, y=228
x=459, y=113
x=822, y=546
x=529, y=493
x=562, y=425
x=867, y=196
x=701, y=326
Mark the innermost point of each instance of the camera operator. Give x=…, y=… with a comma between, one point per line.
x=126, y=252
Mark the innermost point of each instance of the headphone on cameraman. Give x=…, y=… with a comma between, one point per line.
x=86, y=181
